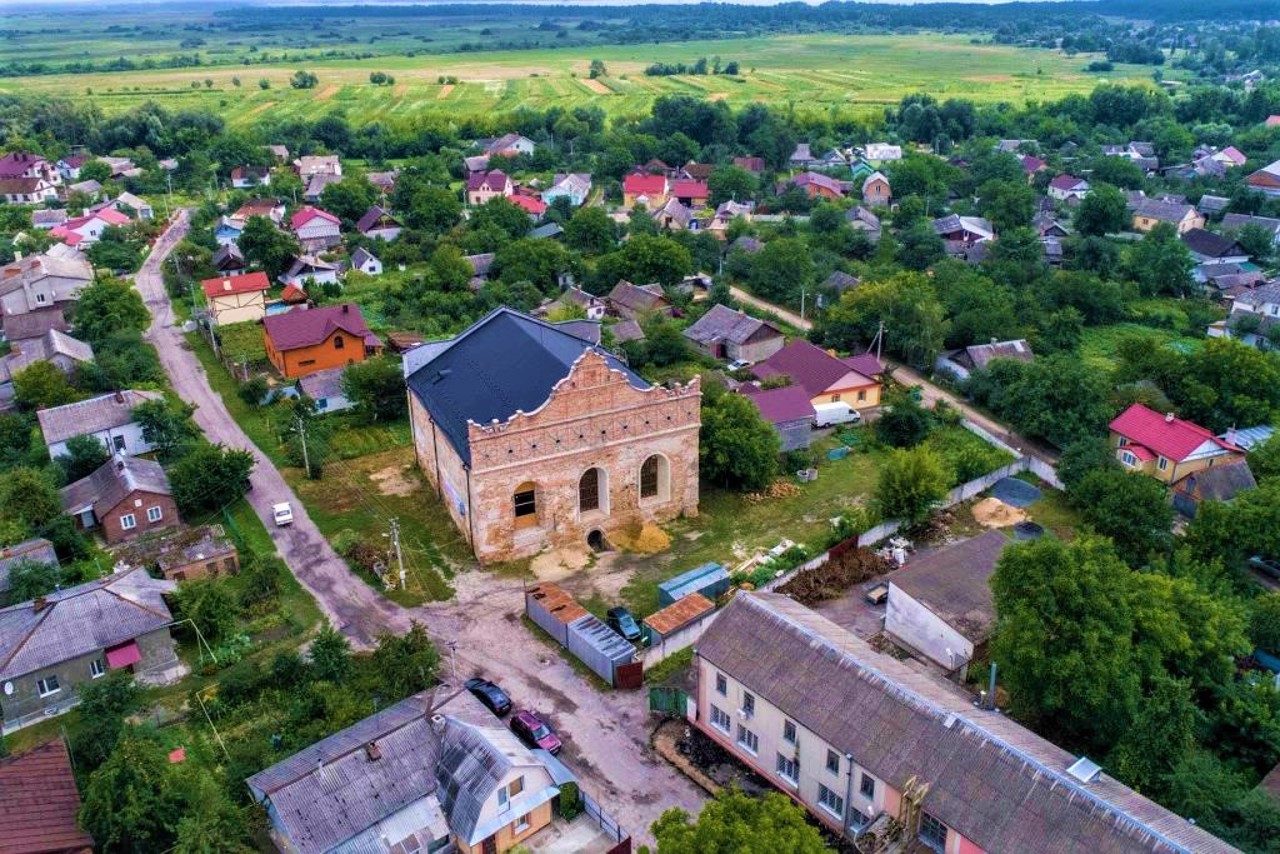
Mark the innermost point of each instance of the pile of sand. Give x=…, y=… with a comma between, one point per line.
x=994, y=513
x=646, y=539
x=557, y=564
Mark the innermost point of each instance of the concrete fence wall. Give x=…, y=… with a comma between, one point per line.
x=677, y=641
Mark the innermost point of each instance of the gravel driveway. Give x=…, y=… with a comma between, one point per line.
x=606, y=734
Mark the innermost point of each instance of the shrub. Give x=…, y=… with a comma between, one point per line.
x=253, y=391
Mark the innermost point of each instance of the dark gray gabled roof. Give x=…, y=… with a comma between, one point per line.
x=104, y=412
x=954, y=582
x=1219, y=483
x=506, y=361
x=80, y=620
x=113, y=482
x=991, y=779
x=722, y=323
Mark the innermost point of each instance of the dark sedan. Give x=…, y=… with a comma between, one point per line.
x=493, y=697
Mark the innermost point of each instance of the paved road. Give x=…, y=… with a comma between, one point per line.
x=931, y=393
x=606, y=734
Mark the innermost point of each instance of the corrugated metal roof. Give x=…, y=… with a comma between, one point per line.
x=679, y=613
x=104, y=412
x=39, y=802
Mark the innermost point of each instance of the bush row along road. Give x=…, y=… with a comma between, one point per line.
x=479, y=632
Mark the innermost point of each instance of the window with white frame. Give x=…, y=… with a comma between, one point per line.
x=933, y=833
x=833, y=762
x=504, y=802
x=722, y=685
x=789, y=732
x=748, y=739
x=1128, y=459
x=858, y=819
x=789, y=769
x=720, y=719
x=522, y=823
x=830, y=801
x=96, y=669
x=48, y=685
x=748, y=703
x=128, y=522
x=155, y=514
x=1163, y=464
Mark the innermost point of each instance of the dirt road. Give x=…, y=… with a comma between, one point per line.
x=910, y=377
x=606, y=733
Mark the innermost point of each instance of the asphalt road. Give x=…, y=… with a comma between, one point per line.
x=478, y=632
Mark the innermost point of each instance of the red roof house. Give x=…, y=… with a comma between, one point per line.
x=824, y=377
x=308, y=214
x=652, y=189
x=39, y=802
x=1165, y=446
x=691, y=193
x=533, y=205
x=814, y=184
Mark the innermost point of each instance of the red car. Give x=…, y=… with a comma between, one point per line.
x=533, y=731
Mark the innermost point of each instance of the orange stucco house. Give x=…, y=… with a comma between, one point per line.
x=302, y=342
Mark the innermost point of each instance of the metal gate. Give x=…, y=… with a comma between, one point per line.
x=628, y=675
x=668, y=701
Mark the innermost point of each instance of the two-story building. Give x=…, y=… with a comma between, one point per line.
x=41, y=283
x=826, y=378
x=574, y=186
x=876, y=190
x=302, y=342
x=1165, y=446
x=534, y=437
x=863, y=741
x=644, y=188
x=485, y=186
x=50, y=646
x=235, y=299
x=316, y=229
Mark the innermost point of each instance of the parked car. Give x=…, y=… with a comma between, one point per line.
x=1265, y=566
x=534, y=732
x=739, y=364
x=621, y=621
x=283, y=514
x=493, y=697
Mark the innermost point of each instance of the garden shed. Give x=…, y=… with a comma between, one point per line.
x=710, y=579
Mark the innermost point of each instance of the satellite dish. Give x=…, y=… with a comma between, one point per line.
x=8, y=689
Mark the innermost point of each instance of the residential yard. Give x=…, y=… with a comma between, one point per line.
x=243, y=342
x=1099, y=343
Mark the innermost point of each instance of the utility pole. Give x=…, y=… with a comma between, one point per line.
x=802, y=295
x=395, y=546
x=302, y=432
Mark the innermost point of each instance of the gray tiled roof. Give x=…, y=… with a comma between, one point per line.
x=992, y=780
x=60, y=423
x=954, y=582
x=722, y=323
x=81, y=620
x=113, y=482
x=38, y=550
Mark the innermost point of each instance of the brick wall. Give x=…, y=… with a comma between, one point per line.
x=137, y=503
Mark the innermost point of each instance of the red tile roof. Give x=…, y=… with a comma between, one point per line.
x=224, y=285
x=865, y=363
x=1168, y=436
x=39, y=802
x=531, y=204
x=809, y=366
x=1064, y=182
x=296, y=328
x=690, y=189
x=641, y=184
x=307, y=214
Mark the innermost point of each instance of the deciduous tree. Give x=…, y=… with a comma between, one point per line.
x=738, y=449
x=912, y=483
x=735, y=823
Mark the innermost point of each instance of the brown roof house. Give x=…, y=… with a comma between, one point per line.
x=39, y=803
x=724, y=333
x=1220, y=483
x=126, y=497
x=940, y=605
x=49, y=646
x=867, y=742
x=961, y=363
x=637, y=301
x=1151, y=212
x=179, y=554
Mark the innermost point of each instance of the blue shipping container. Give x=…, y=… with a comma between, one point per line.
x=710, y=579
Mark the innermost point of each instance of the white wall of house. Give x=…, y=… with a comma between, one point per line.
x=126, y=438
x=909, y=621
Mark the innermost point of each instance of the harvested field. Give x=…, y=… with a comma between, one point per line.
x=595, y=86
x=445, y=91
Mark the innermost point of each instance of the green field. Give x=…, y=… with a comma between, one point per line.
x=847, y=75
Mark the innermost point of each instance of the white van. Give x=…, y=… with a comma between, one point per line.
x=829, y=414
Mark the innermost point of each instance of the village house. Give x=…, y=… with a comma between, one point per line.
x=879, y=153
x=643, y=188
x=385, y=182
x=39, y=283
x=864, y=741
x=325, y=388
x=1032, y=166
x=509, y=145
x=593, y=307
x=37, y=551
x=309, y=270
x=378, y=224
x=23, y=164
x=636, y=302
x=824, y=377
x=1151, y=212
x=940, y=605
x=69, y=167
x=1266, y=180
x=690, y=193
x=59, y=349
x=126, y=497
x=480, y=265
x=182, y=554
x=484, y=186
x=134, y=207
x=88, y=188
x=121, y=167
x=964, y=361
x=248, y=177
x=430, y=773
x=303, y=342
x=1220, y=483
x=964, y=230
x=40, y=804
x=228, y=260
x=814, y=185
x=51, y=646
x=27, y=191
x=316, y=229
x=574, y=186
x=724, y=333
x=1068, y=188
x=1233, y=222
x=1206, y=247
x=673, y=216
x=1212, y=205
x=560, y=445
x=366, y=262
x=235, y=299
x=876, y=190
x=754, y=165
x=313, y=188
x=1166, y=447
x=317, y=164
x=787, y=409
x=530, y=204
x=107, y=417
x=726, y=213
x=47, y=218
x=801, y=157
x=861, y=219
x=83, y=231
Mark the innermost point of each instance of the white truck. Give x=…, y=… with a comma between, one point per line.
x=831, y=414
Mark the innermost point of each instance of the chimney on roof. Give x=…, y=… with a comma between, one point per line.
x=437, y=723
x=372, y=751
x=39, y=604
x=346, y=307
x=119, y=396
x=1230, y=437
x=1168, y=418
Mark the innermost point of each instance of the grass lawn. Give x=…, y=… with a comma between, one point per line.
x=243, y=341
x=853, y=75
x=1099, y=344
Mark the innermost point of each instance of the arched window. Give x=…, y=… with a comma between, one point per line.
x=525, y=499
x=338, y=343
x=655, y=477
x=589, y=490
